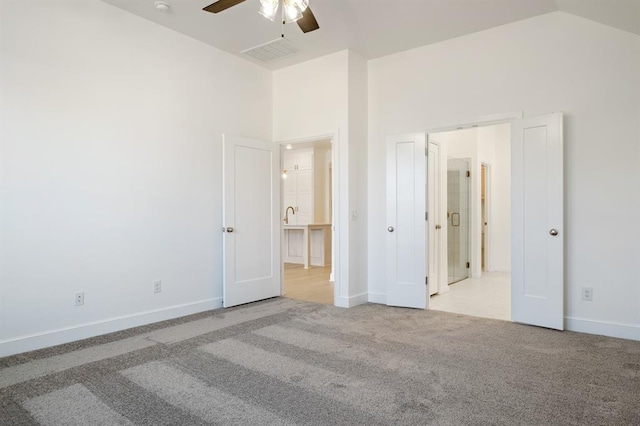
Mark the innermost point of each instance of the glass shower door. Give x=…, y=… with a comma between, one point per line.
x=458, y=218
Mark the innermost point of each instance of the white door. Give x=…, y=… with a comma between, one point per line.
x=434, y=228
x=251, y=219
x=537, y=280
x=406, y=243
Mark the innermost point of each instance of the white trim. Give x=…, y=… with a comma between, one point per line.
x=603, y=328
x=380, y=298
x=488, y=205
x=96, y=328
x=320, y=137
x=351, y=301
x=485, y=120
x=472, y=245
x=444, y=290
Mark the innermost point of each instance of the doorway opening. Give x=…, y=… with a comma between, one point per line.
x=471, y=226
x=307, y=221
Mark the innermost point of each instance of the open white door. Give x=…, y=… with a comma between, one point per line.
x=406, y=243
x=537, y=280
x=433, y=219
x=251, y=219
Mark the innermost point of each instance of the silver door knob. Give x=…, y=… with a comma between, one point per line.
x=229, y=229
x=553, y=232
x=390, y=229
x=438, y=227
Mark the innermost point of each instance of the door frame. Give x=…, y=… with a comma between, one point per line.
x=486, y=120
x=488, y=266
x=338, y=245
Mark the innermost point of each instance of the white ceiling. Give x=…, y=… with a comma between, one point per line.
x=372, y=28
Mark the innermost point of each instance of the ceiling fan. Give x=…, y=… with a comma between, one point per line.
x=292, y=11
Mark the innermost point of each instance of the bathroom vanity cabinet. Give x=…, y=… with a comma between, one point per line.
x=308, y=244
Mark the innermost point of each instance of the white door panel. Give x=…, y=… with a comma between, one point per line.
x=304, y=209
x=304, y=182
x=304, y=160
x=405, y=221
x=537, y=212
x=433, y=207
x=251, y=243
x=289, y=185
x=289, y=162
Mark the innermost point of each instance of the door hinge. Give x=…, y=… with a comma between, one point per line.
x=468, y=265
x=468, y=174
x=426, y=216
x=426, y=280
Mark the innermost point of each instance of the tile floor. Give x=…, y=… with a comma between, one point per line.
x=487, y=297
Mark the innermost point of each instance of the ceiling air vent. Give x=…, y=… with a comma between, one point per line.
x=272, y=50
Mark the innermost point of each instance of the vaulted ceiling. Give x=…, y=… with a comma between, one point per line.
x=372, y=28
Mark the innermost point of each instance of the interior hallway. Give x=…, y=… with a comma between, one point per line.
x=310, y=285
x=486, y=297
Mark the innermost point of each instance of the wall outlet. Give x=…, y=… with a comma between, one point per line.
x=157, y=286
x=79, y=299
x=587, y=294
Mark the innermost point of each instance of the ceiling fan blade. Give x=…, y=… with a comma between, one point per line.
x=221, y=5
x=308, y=22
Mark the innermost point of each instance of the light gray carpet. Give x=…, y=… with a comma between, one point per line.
x=282, y=362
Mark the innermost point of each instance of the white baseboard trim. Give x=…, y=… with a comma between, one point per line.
x=351, y=301
x=603, y=328
x=71, y=334
x=444, y=289
x=499, y=269
x=379, y=298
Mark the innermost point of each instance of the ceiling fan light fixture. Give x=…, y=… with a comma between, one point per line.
x=162, y=6
x=269, y=8
x=301, y=5
x=293, y=9
x=291, y=15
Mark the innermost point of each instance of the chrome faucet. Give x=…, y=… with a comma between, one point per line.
x=286, y=214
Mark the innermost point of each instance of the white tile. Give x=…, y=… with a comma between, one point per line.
x=487, y=297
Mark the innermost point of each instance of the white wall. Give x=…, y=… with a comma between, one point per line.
x=500, y=181
x=111, y=168
x=358, y=123
x=321, y=185
x=311, y=99
x=554, y=62
x=328, y=96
